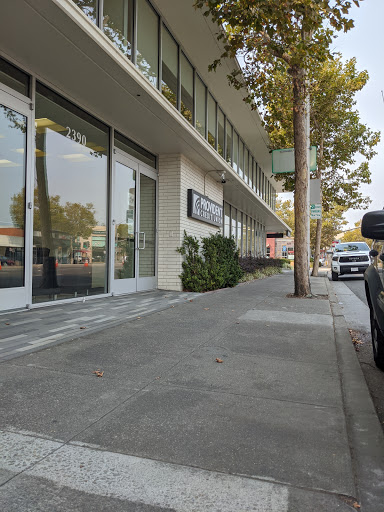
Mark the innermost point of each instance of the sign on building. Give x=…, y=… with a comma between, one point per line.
x=202, y=208
x=283, y=160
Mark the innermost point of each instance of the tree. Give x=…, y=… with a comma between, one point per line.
x=335, y=128
x=354, y=235
x=333, y=222
x=285, y=210
x=291, y=36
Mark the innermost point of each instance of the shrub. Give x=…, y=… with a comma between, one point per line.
x=216, y=267
x=251, y=263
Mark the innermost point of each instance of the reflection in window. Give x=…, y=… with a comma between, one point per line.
x=250, y=171
x=201, y=106
x=254, y=176
x=220, y=134
x=211, y=121
x=70, y=217
x=244, y=244
x=249, y=236
x=124, y=208
x=147, y=41
x=170, y=52
x=227, y=226
x=118, y=23
x=229, y=144
x=241, y=159
x=147, y=246
x=14, y=78
x=186, y=71
x=89, y=7
x=239, y=229
x=246, y=165
x=235, y=164
x=13, y=138
x=128, y=146
x=233, y=222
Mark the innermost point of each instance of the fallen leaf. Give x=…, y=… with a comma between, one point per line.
x=81, y=465
x=98, y=373
x=237, y=322
x=6, y=323
x=190, y=300
x=206, y=309
x=138, y=317
x=356, y=505
x=82, y=327
x=219, y=360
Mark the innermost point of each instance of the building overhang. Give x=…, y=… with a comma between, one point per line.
x=61, y=47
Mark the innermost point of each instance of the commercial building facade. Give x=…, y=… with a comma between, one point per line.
x=114, y=140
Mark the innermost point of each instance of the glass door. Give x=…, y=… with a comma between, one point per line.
x=124, y=224
x=133, y=230
x=15, y=219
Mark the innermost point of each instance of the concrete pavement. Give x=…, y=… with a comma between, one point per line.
x=283, y=424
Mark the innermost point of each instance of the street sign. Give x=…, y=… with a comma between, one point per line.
x=283, y=160
x=315, y=211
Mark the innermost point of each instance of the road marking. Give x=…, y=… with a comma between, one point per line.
x=157, y=484
x=16, y=337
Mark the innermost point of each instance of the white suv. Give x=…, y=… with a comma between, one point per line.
x=350, y=258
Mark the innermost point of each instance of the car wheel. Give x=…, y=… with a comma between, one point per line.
x=377, y=342
x=335, y=276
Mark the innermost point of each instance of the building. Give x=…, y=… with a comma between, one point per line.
x=114, y=139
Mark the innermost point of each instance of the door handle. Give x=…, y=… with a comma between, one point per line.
x=138, y=245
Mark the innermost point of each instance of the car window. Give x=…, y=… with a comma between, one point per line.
x=353, y=246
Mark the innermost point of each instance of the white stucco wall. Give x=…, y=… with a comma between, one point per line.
x=176, y=175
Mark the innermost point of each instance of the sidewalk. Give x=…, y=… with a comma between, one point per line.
x=283, y=424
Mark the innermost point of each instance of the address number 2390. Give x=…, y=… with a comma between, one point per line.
x=76, y=136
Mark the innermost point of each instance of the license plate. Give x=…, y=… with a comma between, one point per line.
x=354, y=269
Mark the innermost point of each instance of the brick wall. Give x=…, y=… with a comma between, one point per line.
x=176, y=175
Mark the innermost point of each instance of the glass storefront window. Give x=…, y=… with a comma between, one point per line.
x=234, y=224
x=201, y=106
x=249, y=236
x=211, y=121
x=254, y=166
x=186, y=71
x=70, y=236
x=118, y=23
x=128, y=146
x=227, y=216
x=239, y=229
x=244, y=244
x=235, y=164
x=246, y=165
x=221, y=133
x=170, y=56
x=229, y=145
x=14, y=78
x=250, y=182
x=89, y=7
x=13, y=146
x=241, y=159
x=147, y=52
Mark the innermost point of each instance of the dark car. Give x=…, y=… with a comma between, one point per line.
x=372, y=227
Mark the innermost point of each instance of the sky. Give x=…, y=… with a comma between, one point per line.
x=366, y=42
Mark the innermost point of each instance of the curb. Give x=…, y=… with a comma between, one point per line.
x=365, y=434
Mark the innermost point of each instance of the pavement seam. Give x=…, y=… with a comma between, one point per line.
x=320, y=406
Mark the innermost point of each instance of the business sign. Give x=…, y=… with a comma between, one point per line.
x=315, y=211
x=202, y=208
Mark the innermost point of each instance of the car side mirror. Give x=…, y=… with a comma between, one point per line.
x=372, y=225
x=373, y=253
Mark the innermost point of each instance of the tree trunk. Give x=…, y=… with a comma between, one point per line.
x=301, y=268
x=319, y=224
x=316, y=258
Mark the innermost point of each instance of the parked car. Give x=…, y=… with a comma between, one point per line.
x=349, y=258
x=4, y=260
x=372, y=226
